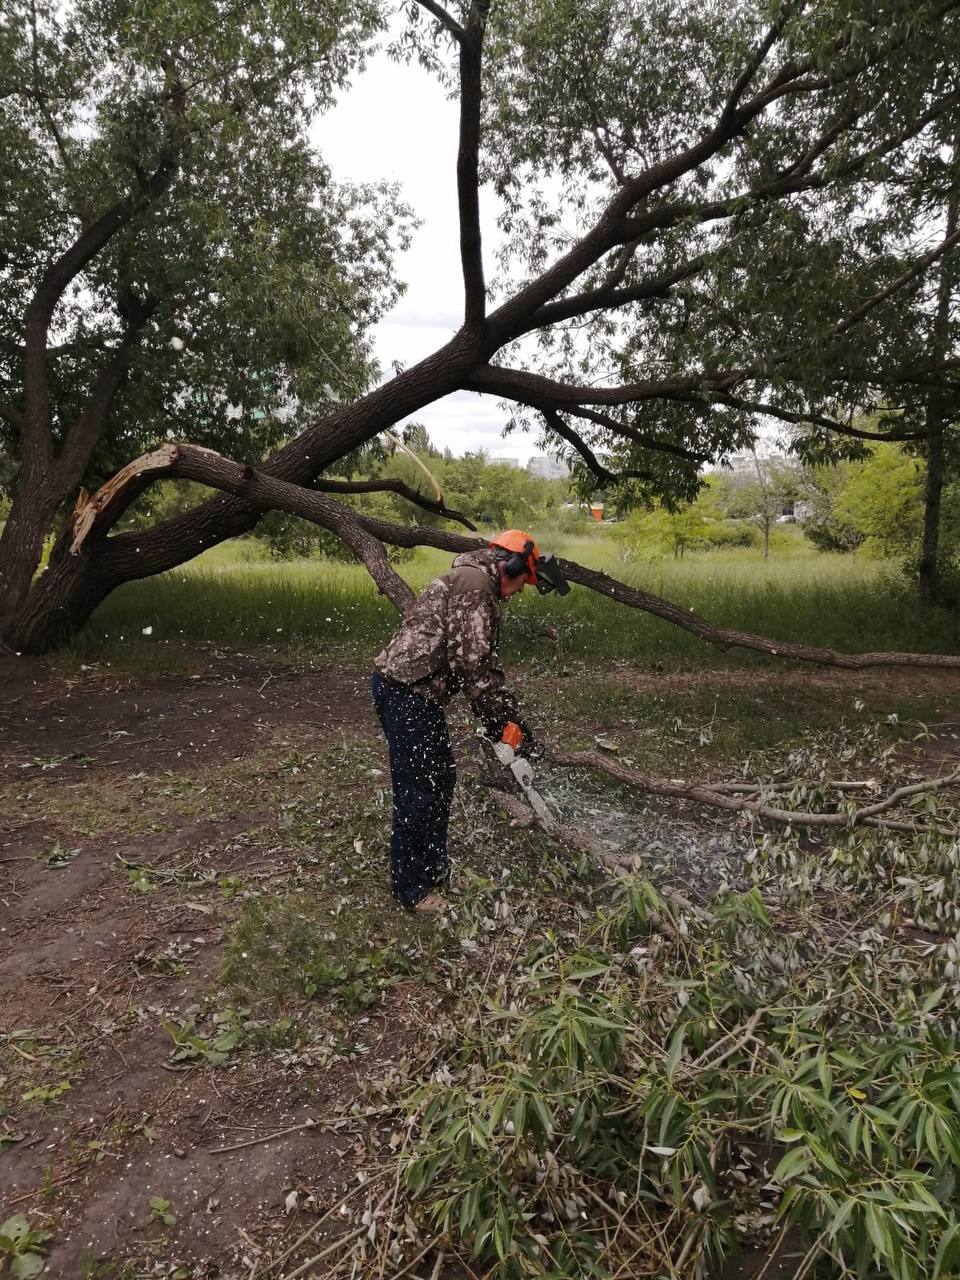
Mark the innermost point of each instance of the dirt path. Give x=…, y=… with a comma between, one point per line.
x=135, y=819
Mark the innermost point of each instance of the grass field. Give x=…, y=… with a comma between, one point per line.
x=234, y=595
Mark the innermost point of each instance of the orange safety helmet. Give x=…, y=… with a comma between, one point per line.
x=523, y=548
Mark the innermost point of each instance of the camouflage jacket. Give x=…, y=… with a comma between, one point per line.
x=447, y=643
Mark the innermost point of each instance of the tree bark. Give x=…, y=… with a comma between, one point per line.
x=928, y=575
x=21, y=549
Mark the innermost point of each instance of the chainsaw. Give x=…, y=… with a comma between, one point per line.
x=506, y=753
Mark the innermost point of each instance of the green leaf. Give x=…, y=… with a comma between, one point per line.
x=16, y=1227
x=933, y=999
x=674, y=1052
x=26, y=1265
x=948, y=1253
x=793, y=1163
x=877, y=1230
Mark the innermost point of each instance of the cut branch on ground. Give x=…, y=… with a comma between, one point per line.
x=756, y=804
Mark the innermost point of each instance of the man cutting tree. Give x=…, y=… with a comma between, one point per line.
x=447, y=644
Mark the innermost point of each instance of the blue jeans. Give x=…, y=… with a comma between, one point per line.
x=423, y=772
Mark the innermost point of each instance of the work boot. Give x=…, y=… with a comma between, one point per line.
x=432, y=905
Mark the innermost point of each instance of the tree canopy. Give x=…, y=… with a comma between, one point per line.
x=226, y=279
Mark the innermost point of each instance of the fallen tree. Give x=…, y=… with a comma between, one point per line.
x=366, y=538
x=681, y=212
x=754, y=800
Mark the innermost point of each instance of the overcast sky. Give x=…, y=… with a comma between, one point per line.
x=398, y=123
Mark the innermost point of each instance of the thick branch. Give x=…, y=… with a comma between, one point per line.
x=207, y=467
x=81, y=440
x=799, y=418
x=536, y=392
x=37, y=445
x=390, y=485
x=602, y=473
x=468, y=164
x=534, y=388
x=634, y=598
x=444, y=18
x=749, y=72
x=908, y=277
x=326, y=440
x=638, y=437
x=616, y=225
x=609, y=296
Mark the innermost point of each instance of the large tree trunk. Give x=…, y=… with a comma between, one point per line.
x=21, y=545
x=929, y=569
x=928, y=575
x=65, y=595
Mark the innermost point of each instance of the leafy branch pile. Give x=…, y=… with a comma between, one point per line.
x=777, y=1069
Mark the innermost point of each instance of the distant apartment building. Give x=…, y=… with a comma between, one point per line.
x=504, y=462
x=544, y=467
x=744, y=464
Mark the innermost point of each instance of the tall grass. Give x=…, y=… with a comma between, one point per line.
x=233, y=596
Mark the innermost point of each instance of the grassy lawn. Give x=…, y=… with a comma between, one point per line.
x=235, y=596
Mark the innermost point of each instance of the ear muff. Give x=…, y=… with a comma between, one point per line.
x=517, y=563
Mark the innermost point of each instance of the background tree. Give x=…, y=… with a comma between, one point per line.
x=173, y=246
x=762, y=495
x=880, y=505
x=883, y=500
x=820, y=488
x=705, y=226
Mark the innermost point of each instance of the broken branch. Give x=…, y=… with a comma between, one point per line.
x=713, y=797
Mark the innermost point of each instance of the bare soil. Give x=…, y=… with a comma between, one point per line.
x=83, y=998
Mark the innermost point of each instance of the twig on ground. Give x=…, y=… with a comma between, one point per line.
x=282, y=1133
x=325, y=1253
x=326, y=1216
x=419, y=1258
x=339, y=1243
x=739, y=1036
